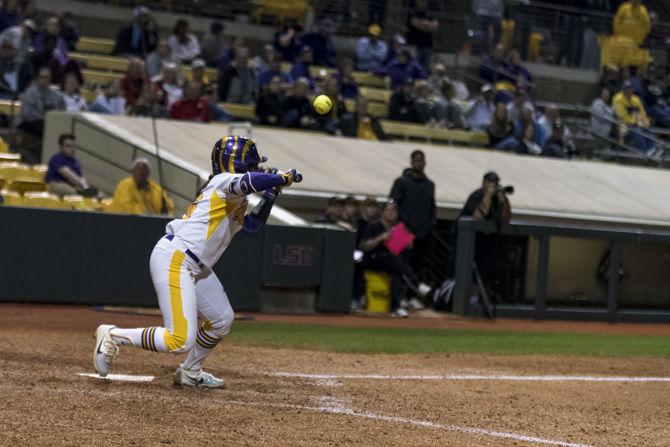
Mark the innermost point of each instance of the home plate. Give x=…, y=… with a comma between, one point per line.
x=121, y=377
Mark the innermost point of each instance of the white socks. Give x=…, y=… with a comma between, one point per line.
x=150, y=338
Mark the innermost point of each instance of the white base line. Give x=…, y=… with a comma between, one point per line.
x=454, y=377
x=409, y=421
x=120, y=377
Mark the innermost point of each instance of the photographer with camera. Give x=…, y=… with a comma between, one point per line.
x=490, y=202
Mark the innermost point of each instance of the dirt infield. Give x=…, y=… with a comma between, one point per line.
x=399, y=400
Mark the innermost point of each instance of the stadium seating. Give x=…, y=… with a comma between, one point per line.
x=42, y=200
x=95, y=45
x=11, y=198
x=23, y=185
x=9, y=157
x=82, y=203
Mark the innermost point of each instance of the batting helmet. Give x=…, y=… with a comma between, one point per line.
x=235, y=155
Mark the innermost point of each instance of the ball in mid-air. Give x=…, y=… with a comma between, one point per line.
x=322, y=104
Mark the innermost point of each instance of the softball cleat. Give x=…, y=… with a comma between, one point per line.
x=106, y=349
x=197, y=379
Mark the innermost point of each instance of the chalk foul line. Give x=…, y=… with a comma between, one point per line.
x=336, y=408
x=480, y=377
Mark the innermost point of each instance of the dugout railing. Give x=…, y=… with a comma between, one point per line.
x=539, y=306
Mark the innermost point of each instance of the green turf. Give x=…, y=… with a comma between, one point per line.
x=402, y=341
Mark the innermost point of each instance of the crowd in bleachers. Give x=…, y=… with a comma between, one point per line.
x=280, y=80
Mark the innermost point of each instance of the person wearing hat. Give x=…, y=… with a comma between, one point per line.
x=403, y=69
x=321, y=43
x=333, y=213
x=140, y=37
x=214, y=45
x=490, y=202
x=371, y=50
x=22, y=37
x=478, y=117
x=138, y=194
x=630, y=110
x=198, y=75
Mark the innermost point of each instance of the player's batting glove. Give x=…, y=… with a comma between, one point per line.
x=291, y=176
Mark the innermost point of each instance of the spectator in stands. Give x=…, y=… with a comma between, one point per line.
x=427, y=109
x=64, y=175
x=402, y=106
x=237, y=83
x=169, y=85
x=500, y=126
x=15, y=76
x=346, y=80
x=632, y=20
x=9, y=14
x=69, y=31
x=522, y=77
x=22, y=37
x=138, y=194
x=371, y=50
x=557, y=145
x=402, y=69
x=192, y=107
x=301, y=67
x=53, y=29
x=495, y=68
x=378, y=257
x=134, y=80
x=550, y=116
x=450, y=114
x=214, y=45
x=139, y=38
x=529, y=136
x=338, y=108
x=297, y=107
x=269, y=105
x=287, y=41
x=36, y=101
x=630, y=110
x=149, y=104
x=261, y=61
x=60, y=67
x=160, y=56
x=110, y=101
x=321, y=43
x=414, y=193
x=185, y=46
x=480, y=114
x=420, y=28
x=516, y=106
x=488, y=16
x=199, y=75
x=74, y=102
x=274, y=70
x=602, y=114
x=361, y=124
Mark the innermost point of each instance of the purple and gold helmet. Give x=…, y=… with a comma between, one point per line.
x=234, y=155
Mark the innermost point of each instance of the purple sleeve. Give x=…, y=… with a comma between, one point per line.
x=252, y=182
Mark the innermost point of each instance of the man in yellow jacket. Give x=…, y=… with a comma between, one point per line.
x=630, y=111
x=139, y=195
x=632, y=20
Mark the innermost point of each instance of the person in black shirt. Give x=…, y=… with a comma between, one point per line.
x=489, y=203
x=420, y=28
x=379, y=257
x=268, y=107
x=297, y=107
x=415, y=195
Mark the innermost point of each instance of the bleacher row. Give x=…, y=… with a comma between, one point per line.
x=23, y=185
x=101, y=67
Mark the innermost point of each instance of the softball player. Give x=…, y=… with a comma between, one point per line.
x=181, y=264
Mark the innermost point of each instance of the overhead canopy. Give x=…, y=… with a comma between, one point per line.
x=546, y=187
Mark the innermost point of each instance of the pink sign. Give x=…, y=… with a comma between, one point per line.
x=400, y=239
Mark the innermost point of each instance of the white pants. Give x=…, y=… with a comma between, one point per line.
x=185, y=291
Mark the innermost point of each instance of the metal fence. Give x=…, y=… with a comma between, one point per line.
x=468, y=229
